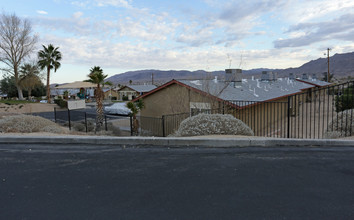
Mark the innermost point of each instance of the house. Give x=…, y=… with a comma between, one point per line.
x=312, y=80
x=252, y=100
x=132, y=91
x=81, y=90
x=110, y=94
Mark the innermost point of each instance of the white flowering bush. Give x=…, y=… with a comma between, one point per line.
x=28, y=124
x=342, y=125
x=209, y=124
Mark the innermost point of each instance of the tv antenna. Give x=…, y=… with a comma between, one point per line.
x=230, y=60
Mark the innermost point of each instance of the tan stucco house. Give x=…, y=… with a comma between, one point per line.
x=251, y=100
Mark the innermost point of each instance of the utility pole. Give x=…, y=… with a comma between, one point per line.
x=328, y=49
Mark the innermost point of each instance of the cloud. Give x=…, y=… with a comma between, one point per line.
x=42, y=12
x=302, y=11
x=313, y=32
x=115, y=3
x=76, y=24
x=81, y=4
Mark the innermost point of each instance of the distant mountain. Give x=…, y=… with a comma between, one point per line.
x=341, y=65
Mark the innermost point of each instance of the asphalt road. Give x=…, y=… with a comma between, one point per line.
x=78, y=182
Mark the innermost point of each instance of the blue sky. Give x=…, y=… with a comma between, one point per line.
x=125, y=35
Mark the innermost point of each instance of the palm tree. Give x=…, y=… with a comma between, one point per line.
x=49, y=58
x=135, y=107
x=97, y=77
x=29, y=78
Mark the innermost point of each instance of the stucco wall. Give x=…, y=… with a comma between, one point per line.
x=172, y=100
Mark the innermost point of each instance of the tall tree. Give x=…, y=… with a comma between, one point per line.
x=16, y=43
x=29, y=78
x=49, y=58
x=97, y=77
x=8, y=86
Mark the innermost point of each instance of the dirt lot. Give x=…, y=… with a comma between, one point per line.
x=6, y=109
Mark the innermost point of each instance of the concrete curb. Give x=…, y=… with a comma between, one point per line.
x=175, y=142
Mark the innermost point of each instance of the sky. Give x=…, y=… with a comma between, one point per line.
x=128, y=35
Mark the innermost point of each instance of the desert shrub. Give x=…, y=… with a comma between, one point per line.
x=342, y=125
x=111, y=131
x=206, y=124
x=80, y=126
x=332, y=135
x=61, y=102
x=114, y=129
x=28, y=124
x=346, y=100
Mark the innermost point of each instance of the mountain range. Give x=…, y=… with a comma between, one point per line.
x=341, y=66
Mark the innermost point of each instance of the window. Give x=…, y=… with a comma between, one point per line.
x=199, y=107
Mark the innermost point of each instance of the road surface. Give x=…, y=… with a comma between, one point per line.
x=104, y=182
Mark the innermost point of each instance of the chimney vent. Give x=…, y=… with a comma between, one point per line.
x=265, y=76
x=233, y=75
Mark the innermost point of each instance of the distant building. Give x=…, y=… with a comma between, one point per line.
x=133, y=91
x=83, y=89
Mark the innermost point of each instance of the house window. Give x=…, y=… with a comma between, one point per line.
x=199, y=107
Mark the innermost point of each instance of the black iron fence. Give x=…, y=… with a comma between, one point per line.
x=325, y=112
x=264, y=118
x=322, y=112
x=315, y=113
x=119, y=125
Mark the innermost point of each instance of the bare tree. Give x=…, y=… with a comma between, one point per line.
x=16, y=43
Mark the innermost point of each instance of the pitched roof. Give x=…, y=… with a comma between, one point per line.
x=77, y=85
x=315, y=82
x=140, y=88
x=247, y=90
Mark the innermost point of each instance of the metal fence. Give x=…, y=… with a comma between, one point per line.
x=264, y=118
x=316, y=113
x=83, y=121
x=322, y=112
x=120, y=125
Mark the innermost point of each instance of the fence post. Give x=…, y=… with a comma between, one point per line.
x=105, y=121
x=289, y=99
x=86, y=122
x=163, y=126
x=55, y=114
x=69, y=119
x=131, y=125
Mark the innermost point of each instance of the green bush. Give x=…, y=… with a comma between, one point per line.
x=61, y=102
x=125, y=98
x=345, y=101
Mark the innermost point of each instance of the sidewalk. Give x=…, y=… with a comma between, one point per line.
x=210, y=142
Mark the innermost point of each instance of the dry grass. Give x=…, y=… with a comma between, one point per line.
x=29, y=124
